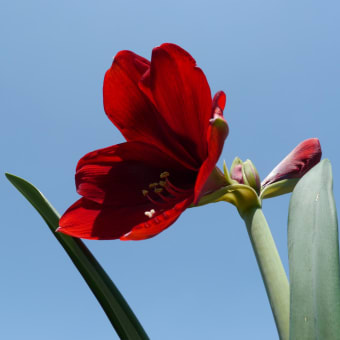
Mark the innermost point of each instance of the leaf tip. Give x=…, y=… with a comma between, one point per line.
x=8, y=175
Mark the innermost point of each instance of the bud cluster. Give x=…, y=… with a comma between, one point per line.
x=245, y=173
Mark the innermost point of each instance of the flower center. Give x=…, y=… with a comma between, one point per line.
x=163, y=193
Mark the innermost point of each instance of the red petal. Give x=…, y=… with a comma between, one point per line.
x=219, y=100
x=90, y=220
x=217, y=133
x=124, y=103
x=133, y=113
x=117, y=175
x=182, y=95
x=297, y=163
x=157, y=224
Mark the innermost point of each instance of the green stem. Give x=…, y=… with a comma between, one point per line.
x=272, y=271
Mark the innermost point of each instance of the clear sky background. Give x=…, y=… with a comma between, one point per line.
x=277, y=61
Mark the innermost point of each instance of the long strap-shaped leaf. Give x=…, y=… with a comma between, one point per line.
x=116, y=308
x=314, y=258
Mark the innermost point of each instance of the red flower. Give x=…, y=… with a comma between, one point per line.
x=297, y=163
x=175, y=134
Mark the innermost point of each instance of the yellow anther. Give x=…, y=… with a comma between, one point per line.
x=158, y=190
x=164, y=174
x=145, y=192
x=153, y=185
x=162, y=183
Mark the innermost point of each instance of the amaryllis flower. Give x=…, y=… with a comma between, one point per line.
x=175, y=133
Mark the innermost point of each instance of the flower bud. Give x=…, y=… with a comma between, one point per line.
x=236, y=170
x=251, y=176
x=297, y=163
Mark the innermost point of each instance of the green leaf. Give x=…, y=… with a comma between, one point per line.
x=116, y=308
x=313, y=248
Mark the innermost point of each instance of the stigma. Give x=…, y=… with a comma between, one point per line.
x=149, y=213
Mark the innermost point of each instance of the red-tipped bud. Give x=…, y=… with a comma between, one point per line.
x=297, y=163
x=245, y=173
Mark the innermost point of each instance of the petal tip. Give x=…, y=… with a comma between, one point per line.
x=297, y=163
x=219, y=100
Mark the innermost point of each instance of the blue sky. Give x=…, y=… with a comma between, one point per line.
x=278, y=63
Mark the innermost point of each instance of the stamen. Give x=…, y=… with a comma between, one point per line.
x=174, y=188
x=153, y=185
x=164, y=174
x=157, y=203
x=166, y=199
x=171, y=191
x=149, y=213
x=163, y=193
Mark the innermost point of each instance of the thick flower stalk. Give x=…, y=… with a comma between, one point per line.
x=175, y=133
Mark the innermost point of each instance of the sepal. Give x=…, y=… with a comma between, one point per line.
x=243, y=197
x=227, y=175
x=279, y=188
